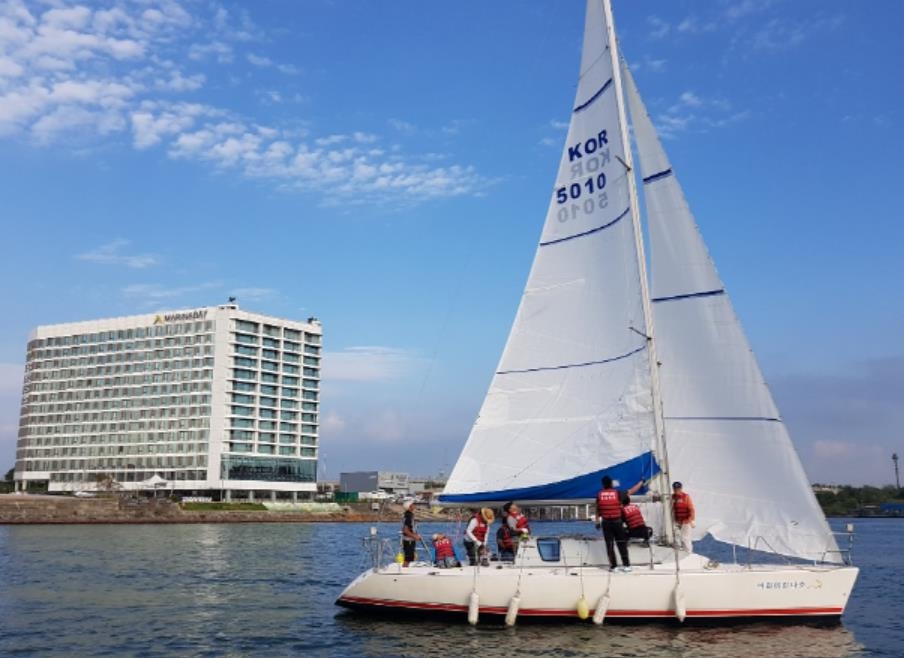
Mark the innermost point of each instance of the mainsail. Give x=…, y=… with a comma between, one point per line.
x=725, y=437
x=571, y=397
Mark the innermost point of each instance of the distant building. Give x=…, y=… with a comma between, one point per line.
x=364, y=481
x=213, y=401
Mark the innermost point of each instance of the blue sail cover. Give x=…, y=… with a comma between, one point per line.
x=571, y=398
x=582, y=487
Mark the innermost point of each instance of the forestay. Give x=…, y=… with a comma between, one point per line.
x=571, y=397
x=725, y=437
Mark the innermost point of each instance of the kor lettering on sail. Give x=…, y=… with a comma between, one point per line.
x=589, y=146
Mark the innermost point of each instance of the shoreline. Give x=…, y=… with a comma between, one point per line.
x=37, y=509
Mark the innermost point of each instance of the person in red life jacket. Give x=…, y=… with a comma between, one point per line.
x=516, y=521
x=609, y=512
x=476, y=535
x=505, y=541
x=409, y=534
x=633, y=517
x=514, y=527
x=445, y=553
x=684, y=514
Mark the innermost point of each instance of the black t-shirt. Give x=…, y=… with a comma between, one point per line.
x=408, y=522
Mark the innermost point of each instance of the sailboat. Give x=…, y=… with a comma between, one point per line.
x=609, y=371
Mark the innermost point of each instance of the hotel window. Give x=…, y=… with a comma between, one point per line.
x=244, y=325
x=243, y=374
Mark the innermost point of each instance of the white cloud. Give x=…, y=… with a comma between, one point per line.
x=658, y=27
x=259, y=60
x=694, y=113
x=111, y=254
x=154, y=292
x=74, y=74
x=368, y=364
x=253, y=294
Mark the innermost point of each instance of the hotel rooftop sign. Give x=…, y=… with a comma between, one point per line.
x=181, y=316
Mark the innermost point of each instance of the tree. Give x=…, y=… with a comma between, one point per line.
x=9, y=475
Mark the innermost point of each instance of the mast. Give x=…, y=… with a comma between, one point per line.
x=660, y=448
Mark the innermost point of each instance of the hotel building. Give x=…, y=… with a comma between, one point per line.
x=212, y=402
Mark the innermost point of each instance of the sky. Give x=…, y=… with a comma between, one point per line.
x=386, y=167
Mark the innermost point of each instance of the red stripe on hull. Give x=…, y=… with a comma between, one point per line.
x=553, y=612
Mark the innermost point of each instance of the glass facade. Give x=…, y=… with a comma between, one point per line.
x=130, y=398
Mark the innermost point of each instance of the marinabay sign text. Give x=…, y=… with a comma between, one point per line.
x=182, y=316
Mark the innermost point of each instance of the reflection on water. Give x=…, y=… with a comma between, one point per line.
x=269, y=590
x=428, y=638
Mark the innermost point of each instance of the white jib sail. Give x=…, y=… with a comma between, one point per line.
x=726, y=441
x=571, y=397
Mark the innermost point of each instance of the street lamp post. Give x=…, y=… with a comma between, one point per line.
x=894, y=458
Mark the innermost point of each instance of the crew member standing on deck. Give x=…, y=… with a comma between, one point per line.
x=684, y=514
x=609, y=511
x=409, y=534
x=476, y=535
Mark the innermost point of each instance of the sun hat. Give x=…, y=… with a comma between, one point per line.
x=487, y=515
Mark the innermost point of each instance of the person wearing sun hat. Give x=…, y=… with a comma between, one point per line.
x=685, y=515
x=476, y=533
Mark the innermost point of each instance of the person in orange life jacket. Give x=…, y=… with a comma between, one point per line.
x=609, y=511
x=409, y=535
x=637, y=527
x=685, y=515
x=445, y=554
x=476, y=535
x=514, y=527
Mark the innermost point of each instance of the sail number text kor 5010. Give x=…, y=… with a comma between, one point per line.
x=593, y=184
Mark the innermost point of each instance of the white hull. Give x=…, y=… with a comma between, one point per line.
x=700, y=590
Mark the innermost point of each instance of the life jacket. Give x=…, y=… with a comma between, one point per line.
x=480, y=530
x=504, y=538
x=633, y=517
x=681, y=505
x=608, y=504
x=520, y=522
x=443, y=547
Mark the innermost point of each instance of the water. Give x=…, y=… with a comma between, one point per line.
x=268, y=590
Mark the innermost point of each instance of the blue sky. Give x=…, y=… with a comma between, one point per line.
x=387, y=166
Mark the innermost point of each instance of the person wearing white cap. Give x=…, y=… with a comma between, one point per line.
x=409, y=534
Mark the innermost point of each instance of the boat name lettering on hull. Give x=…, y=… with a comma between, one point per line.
x=590, y=146
x=781, y=584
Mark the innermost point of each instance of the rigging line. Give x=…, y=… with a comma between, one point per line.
x=585, y=233
x=573, y=365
